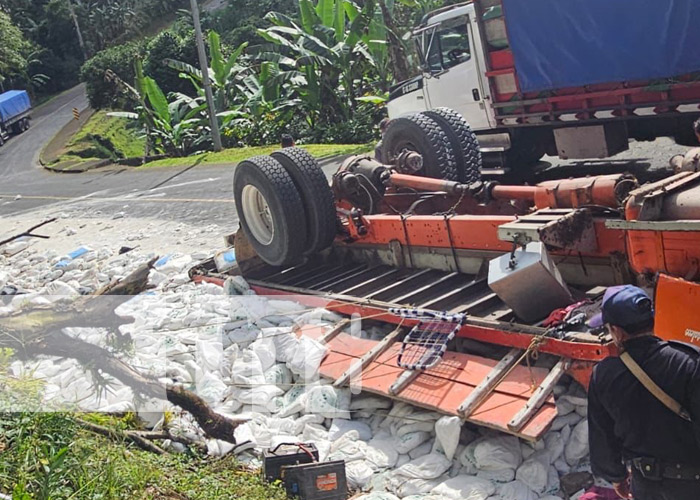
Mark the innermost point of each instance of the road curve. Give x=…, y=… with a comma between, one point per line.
x=19, y=157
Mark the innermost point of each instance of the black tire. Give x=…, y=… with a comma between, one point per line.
x=286, y=210
x=26, y=124
x=463, y=141
x=685, y=134
x=424, y=135
x=316, y=195
x=527, y=148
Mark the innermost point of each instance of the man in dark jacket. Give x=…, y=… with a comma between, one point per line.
x=629, y=427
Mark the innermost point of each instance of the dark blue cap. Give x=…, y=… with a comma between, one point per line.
x=626, y=306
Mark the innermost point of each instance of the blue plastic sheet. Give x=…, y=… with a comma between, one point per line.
x=569, y=43
x=13, y=103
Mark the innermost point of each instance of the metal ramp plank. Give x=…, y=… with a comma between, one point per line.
x=443, y=388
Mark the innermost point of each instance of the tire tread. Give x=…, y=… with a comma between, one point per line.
x=286, y=192
x=466, y=144
x=316, y=194
x=445, y=166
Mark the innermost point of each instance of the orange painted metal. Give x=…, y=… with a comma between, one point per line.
x=673, y=252
x=677, y=307
x=469, y=232
x=444, y=387
x=567, y=193
x=581, y=371
x=574, y=193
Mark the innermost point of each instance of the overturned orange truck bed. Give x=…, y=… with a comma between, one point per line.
x=435, y=260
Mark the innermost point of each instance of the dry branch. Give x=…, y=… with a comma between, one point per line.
x=116, y=435
x=28, y=232
x=40, y=332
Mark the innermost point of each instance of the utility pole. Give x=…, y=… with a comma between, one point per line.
x=213, y=120
x=77, y=29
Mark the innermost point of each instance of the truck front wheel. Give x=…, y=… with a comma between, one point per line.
x=464, y=143
x=423, y=135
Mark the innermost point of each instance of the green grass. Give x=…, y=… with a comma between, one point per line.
x=236, y=155
x=48, y=456
x=105, y=137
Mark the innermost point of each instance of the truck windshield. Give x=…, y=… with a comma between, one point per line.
x=447, y=45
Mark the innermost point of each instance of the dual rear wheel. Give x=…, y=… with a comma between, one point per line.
x=285, y=206
x=443, y=137
x=287, y=209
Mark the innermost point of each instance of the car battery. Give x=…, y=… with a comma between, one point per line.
x=287, y=454
x=317, y=481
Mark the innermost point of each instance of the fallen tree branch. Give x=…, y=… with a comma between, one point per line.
x=28, y=232
x=213, y=424
x=40, y=333
x=164, y=435
x=114, y=434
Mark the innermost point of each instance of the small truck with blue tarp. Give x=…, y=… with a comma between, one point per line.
x=575, y=78
x=15, y=109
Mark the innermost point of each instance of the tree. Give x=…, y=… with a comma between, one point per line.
x=120, y=60
x=224, y=73
x=399, y=60
x=325, y=53
x=176, y=127
x=174, y=45
x=13, y=49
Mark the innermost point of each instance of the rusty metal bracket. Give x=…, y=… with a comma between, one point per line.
x=558, y=228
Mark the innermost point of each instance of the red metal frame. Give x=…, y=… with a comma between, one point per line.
x=575, y=350
x=464, y=232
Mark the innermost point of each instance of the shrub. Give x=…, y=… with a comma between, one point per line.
x=170, y=44
x=120, y=59
x=359, y=129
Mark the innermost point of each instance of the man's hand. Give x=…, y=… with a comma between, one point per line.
x=623, y=488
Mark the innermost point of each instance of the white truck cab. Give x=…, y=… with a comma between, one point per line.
x=449, y=45
x=527, y=90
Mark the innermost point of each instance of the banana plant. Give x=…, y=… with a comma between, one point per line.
x=326, y=54
x=224, y=73
x=177, y=127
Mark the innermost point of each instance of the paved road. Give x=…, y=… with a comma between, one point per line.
x=194, y=194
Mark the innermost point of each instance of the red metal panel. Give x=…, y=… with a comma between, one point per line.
x=502, y=59
x=676, y=306
x=444, y=387
x=638, y=94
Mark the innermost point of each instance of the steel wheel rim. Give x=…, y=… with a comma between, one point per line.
x=257, y=215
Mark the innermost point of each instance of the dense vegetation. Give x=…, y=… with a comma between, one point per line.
x=48, y=455
x=39, y=47
x=318, y=69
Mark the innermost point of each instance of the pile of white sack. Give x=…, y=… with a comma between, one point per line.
x=238, y=352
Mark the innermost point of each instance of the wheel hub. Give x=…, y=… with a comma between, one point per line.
x=258, y=215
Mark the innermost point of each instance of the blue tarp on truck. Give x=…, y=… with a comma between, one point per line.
x=571, y=43
x=13, y=103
